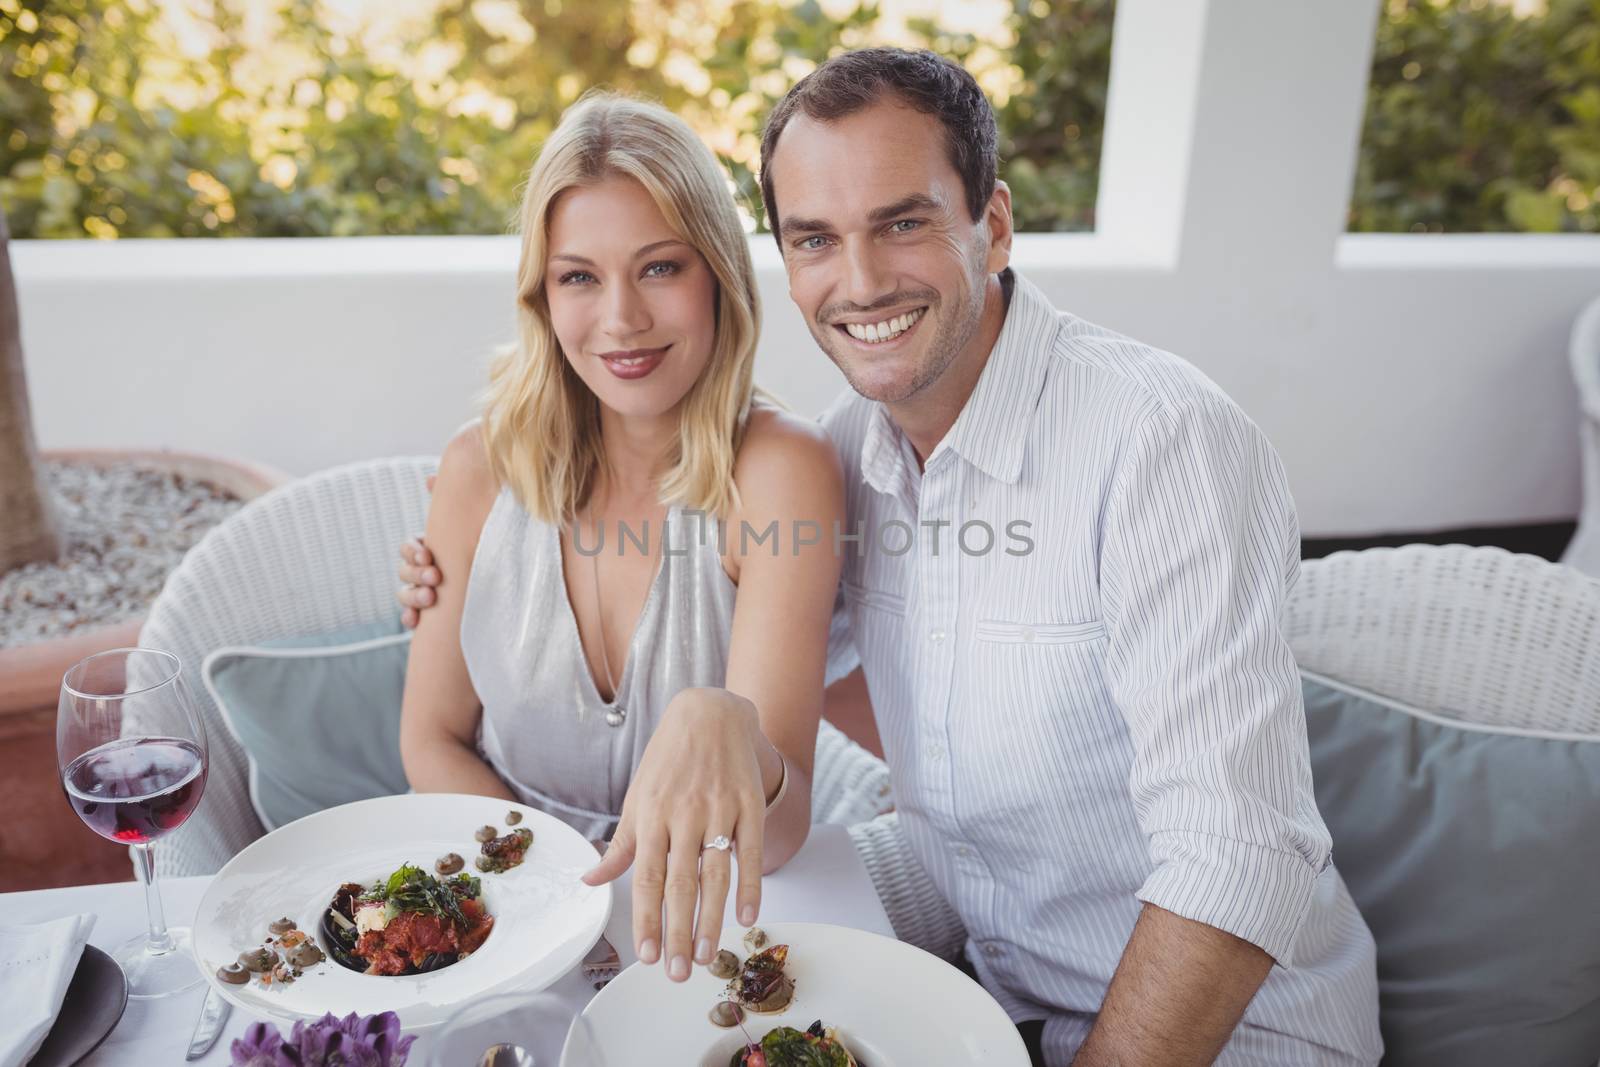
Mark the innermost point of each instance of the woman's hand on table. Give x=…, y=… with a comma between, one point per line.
x=703, y=777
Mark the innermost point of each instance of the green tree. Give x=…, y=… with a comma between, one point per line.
x=1478, y=118
x=1052, y=120
x=1481, y=119
x=351, y=145
x=347, y=147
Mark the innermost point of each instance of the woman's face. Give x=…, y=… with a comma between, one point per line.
x=632, y=305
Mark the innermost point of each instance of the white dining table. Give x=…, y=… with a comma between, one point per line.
x=825, y=882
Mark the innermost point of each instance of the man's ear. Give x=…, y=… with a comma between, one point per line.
x=997, y=216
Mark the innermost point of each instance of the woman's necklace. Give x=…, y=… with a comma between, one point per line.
x=616, y=713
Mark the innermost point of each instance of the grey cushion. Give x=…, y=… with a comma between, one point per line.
x=318, y=717
x=1474, y=855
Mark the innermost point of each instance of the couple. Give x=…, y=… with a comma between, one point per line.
x=1094, y=728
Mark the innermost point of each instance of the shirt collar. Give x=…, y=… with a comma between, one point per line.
x=884, y=464
x=991, y=432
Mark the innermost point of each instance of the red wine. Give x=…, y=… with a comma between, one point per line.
x=136, y=789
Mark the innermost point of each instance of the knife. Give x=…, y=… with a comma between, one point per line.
x=213, y=1017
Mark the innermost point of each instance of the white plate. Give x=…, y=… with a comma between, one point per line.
x=894, y=1005
x=545, y=919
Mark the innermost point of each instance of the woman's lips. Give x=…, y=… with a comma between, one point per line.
x=634, y=363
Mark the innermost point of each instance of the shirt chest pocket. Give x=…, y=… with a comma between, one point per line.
x=1031, y=700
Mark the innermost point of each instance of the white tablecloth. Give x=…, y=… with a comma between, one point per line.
x=825, y=882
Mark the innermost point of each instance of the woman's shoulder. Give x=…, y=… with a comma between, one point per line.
x=775, y=436
x=784, y=455
x=467, y=486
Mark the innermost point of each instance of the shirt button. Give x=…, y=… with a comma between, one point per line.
x=936, y=635
x=935, y=751
x=973, y=503
x=964, y=852
x=993, y=951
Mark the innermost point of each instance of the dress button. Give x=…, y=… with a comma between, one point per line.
x=964, y=852
x=993, y=951
x=1027, y=633
x=936, y=635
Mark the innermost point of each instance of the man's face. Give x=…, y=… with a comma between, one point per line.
x=884, y=260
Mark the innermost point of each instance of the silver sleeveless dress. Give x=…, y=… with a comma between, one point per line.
x=544, y=728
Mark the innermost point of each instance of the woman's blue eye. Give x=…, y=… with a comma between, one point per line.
x=573, y=276
x=668, y=268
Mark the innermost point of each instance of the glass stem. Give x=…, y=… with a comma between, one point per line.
x=145, y=866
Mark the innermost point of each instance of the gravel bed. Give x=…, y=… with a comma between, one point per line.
x=124, y=528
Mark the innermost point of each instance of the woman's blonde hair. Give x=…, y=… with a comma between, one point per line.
x=541, y=422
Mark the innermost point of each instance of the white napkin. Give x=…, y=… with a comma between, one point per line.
x=36, y=965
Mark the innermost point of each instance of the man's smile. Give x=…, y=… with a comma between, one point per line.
x=881, y=331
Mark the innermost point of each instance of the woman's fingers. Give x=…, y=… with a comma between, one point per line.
x=716, y=866
x=649, y=884
x=682, y=891
x=748, y=838
x=618, y=855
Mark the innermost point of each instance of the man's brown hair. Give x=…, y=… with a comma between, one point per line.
x=923, y=80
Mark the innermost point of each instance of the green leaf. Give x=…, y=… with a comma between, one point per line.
x=403, y=877
x=1535, y=212
x=788, y=1047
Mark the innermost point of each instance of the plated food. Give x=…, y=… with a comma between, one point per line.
x=815, y=1046
x=408, y=923
x=856, y=999
x=283, y=956
x=426, y=939
x=503, y=851
x=761, y=984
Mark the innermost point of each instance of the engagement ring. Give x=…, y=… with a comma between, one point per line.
x=722, y=843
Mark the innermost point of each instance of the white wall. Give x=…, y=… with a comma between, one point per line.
x=1410, y=383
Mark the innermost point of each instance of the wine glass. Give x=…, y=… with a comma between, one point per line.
x=133, y=757
x=516, y=1029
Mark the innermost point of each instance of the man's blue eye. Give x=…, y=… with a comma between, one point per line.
x=910, y=224
x=805, y=242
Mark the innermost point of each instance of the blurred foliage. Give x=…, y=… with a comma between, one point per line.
x=285, y=120
x=110, y=126
x=1481, y=119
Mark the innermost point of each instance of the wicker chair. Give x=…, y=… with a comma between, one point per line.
x=1476, y=634
x=1584, y=551
x=319, y=555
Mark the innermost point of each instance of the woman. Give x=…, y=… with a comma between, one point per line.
x=667, y=685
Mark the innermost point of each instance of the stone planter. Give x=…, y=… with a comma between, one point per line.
x=41, y=842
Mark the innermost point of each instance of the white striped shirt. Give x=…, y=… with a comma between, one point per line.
x=1113, y=716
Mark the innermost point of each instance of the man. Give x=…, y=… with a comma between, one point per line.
x=1091, y=715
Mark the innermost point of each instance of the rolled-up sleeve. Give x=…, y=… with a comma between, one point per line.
x=842, y=655
x=1199, y=546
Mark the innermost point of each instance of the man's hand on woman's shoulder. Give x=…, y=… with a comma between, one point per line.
x=418, y=577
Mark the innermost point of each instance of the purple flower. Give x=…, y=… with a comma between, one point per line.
x=354, y=1041
x=261, y=1046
